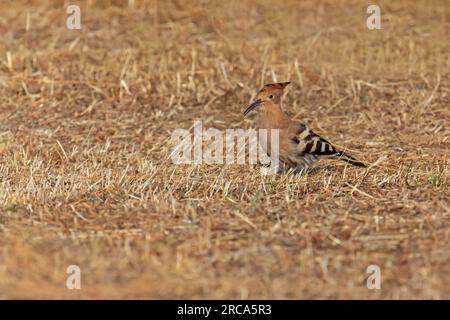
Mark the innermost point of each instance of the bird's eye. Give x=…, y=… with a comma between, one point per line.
x=271, y=96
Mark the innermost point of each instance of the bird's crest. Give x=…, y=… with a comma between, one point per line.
x=274, y=86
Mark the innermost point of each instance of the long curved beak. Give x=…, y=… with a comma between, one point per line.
x=254, y=104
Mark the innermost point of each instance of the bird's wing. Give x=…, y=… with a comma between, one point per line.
x=307, y=142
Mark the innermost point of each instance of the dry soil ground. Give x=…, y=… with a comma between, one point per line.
x=86, y=178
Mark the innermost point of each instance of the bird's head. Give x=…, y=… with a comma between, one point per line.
x=270, y=94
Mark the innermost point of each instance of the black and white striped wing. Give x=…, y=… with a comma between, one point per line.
x=308, y=142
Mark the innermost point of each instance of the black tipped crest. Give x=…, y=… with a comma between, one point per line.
x=278, y=85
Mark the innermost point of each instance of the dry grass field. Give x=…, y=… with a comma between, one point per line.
x=86, y=178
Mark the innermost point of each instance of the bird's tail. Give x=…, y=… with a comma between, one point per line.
x=345, y=157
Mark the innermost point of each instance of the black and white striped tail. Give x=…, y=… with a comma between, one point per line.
x=345, y=157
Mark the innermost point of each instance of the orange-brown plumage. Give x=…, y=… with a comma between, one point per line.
x=299, y=146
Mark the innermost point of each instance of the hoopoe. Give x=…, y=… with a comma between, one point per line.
x=299, y=146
